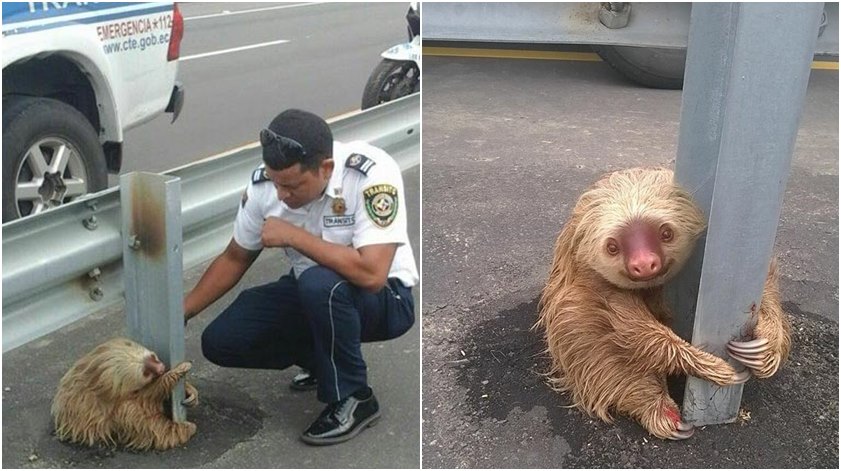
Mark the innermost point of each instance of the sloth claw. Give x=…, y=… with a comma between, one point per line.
x=684, y=427
x=683, y=431
x=741, y=377
x=748, y=356
x=749, y=361
x=750, y=346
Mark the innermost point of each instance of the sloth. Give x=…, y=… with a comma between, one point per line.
x=117, y=395
x=602, y=311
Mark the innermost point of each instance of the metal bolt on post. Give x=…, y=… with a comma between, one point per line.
x=615, y=15
x=96, y=292
x=91, y=223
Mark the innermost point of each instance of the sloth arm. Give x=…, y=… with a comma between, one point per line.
x=652, y=346
x=164, y=385
x=772, y=335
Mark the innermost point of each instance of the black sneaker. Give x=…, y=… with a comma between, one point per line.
x=304, y=381
x=343, y=420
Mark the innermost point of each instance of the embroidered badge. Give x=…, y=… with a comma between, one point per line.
x=259, y=175
x=360, y=162
x=381, y=204
x=339, y=206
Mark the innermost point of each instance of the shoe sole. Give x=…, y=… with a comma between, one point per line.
x=369, y=422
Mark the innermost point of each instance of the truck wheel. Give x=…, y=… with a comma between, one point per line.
x=649, y=66
x=391, y=80
x=51, y=155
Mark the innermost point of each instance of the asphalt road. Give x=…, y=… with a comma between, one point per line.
x=332, y=50
x=508, y=146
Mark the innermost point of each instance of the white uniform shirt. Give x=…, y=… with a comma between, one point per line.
x=371, y=185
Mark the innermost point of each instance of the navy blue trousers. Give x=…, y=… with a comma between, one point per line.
x=317, y=322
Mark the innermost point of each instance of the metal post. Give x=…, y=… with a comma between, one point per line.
x=747, y=70
x=152, y=261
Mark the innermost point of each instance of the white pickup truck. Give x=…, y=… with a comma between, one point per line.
x=76, y=76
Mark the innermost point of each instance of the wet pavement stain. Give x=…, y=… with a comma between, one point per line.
x=501, y=370
x=224, y=417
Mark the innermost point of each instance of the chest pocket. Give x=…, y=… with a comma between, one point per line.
x=338, y=228
x=338, y=234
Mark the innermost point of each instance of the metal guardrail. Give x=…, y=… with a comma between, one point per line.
x=661, y=25
x=64, y=264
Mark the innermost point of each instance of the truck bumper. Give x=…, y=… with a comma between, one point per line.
x=176, y=101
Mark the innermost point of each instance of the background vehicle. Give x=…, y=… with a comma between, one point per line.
x=76, y=76
x=398, y=74
x=646, y=41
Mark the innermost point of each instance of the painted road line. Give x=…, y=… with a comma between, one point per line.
x=255, y=144
x=510, y=54
x=255, y=10
x=547, y=55
x=234, y=49
x=825, y=65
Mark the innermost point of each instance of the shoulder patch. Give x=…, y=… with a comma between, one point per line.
x=381, y=204
x=259, y=175
x=359, y=162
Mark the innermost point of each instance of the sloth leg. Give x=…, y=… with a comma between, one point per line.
x=168, y=434
x=772, y=337
x=648, y=401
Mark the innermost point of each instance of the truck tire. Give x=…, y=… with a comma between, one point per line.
x=390, y=80
x=649, y=66
x=51, y=155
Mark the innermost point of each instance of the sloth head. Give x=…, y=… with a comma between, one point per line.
x=637, y=228
x=123, y=366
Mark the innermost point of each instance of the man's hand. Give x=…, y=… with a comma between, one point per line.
x=279, y=233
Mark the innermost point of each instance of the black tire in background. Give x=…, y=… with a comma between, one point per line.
x=649, y=66
x=390, y=80
x=29, y=120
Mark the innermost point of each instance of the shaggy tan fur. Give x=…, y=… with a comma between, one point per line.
x=608, y=335
x=105, y=398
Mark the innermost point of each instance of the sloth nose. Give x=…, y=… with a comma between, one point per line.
x=643, y=265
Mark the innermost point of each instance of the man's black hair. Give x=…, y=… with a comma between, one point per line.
x=308, y=141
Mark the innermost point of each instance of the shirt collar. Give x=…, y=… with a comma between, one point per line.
x=334, y=185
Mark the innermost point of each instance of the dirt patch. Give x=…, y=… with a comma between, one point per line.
x=787, y=421
x=224, y=417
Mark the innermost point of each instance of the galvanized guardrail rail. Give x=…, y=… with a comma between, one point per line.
x=64, y=264
x=658, y=25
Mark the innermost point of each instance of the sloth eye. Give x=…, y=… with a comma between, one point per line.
x=666, y=233
x=612, y=247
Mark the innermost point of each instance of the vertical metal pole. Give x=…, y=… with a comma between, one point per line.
x=747, y=70
x=153, y=270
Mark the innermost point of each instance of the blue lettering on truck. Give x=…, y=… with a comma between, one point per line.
x=121, y=27
x=26, y=17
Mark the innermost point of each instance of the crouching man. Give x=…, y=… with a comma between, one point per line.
x=338, y=211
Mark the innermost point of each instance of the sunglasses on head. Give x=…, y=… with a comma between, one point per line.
x=288, y=147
